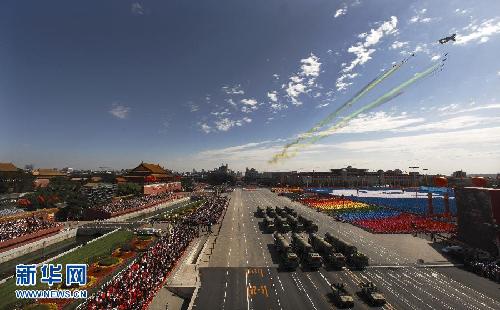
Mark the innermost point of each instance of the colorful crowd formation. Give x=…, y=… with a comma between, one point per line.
x=376, y=218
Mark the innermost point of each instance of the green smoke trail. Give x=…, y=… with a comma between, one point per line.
x=379, y=101
x=347, y=104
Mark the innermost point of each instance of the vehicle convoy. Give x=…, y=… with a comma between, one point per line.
x=309, y=225
x=271, y=211
x=291, y=211
x=289, y=259
x=306, y=253
x=354, y=258
x=341, y=297
x=294, y=223
x=260, y=212
x=280, y=211
x=370, y=293
x=330, y=255
x=281, y=224
x=269, y=224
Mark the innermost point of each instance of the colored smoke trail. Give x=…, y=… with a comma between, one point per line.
x=393, y=93
x=347, y=104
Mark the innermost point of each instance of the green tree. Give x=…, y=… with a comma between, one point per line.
x=125, y=189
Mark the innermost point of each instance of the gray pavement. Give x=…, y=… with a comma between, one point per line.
x=243, y=272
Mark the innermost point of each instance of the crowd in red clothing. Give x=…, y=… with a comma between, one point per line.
x=23, y=226
x=405, y=223
x=136, y=285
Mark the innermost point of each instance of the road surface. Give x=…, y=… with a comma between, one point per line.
x=244, y=272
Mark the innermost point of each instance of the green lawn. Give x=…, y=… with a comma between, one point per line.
x=100, y=247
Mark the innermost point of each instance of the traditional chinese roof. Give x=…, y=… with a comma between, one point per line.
x=48, y=173
x=8, y=167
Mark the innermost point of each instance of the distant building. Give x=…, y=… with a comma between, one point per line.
x=459, y=174
x=43, y=176
x=9, y=174
x=147, y=173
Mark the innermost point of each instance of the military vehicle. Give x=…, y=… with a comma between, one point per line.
x=357, y=260
x=330, y=255
x=269, y=224
x=371, y=294
x=289, y=260
x=306, y=253
x=309, y=225
x=354, y=258
x=280, y=211
x=341, y=297
x=291, y=211
x=281, y=224
x=270, y=211
x=294, y=223
x=260, y=212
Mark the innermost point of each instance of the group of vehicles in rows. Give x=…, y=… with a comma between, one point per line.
x=313, y=251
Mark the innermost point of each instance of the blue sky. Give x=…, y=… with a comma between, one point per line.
x=193, y=84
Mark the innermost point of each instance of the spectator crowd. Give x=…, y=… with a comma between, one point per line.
x=135, y=203
x=137, y=284
x=16, y=228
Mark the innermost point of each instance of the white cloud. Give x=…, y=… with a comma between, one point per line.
x=137, y=9
x=435, y=57
x=460, y=11
x=273, y=96
x=340, y=12
x=379, y=121
x=221, y=113
x=276, y=76
x=120, y=111
x=479, y=32
x=205, y=128
x=233, y=90
x=492, y=106
x=420, y=18
x=304, y=81
x=422, y=48
x=454, y=123
x=429, y=143
x=250, y=102
x=363, y=51
x=224, y=124
x=448, y=107
x=275, y=107
x=192, y=106
x=248, y=109
x=231, y=102
x=398, y=44
x=310, y=66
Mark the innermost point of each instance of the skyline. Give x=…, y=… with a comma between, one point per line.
x=191, y=85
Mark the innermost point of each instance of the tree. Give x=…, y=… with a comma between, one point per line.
x=187, y=184
x=125, y=189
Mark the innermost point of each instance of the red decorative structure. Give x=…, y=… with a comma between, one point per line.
x=479, y=182
x=430, y=208
x=440, y=181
